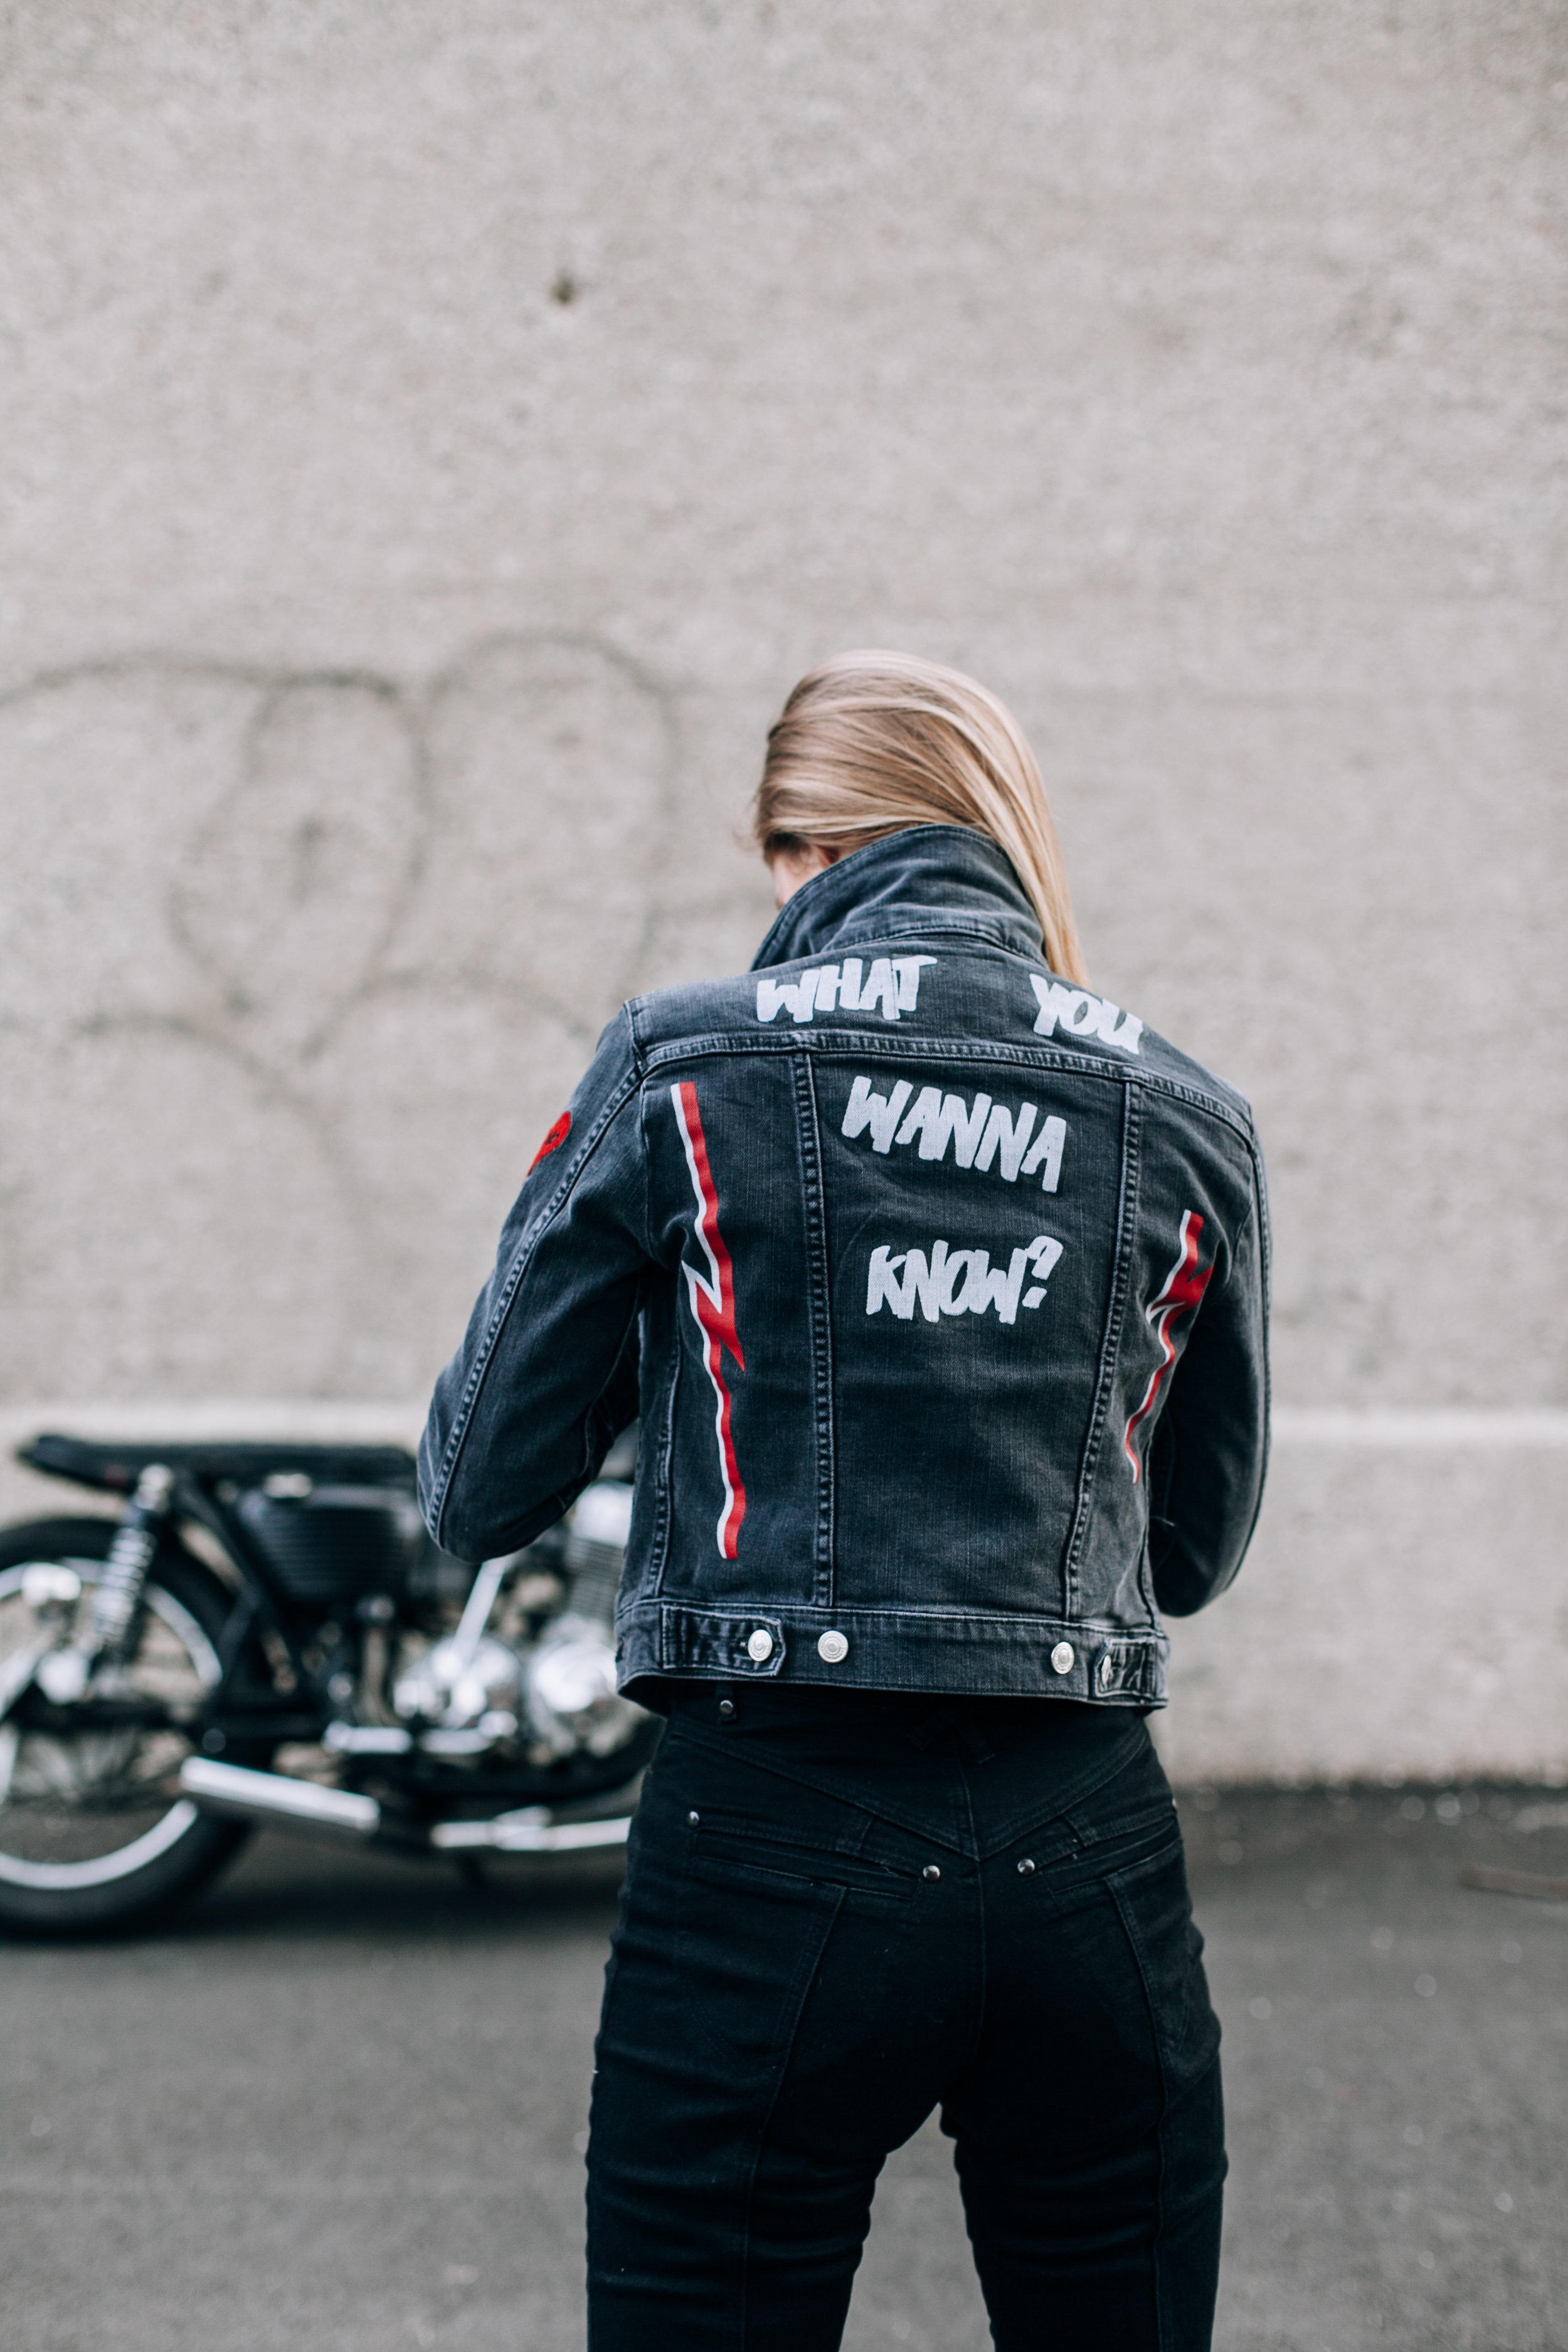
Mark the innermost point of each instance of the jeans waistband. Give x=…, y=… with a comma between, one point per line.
x=919, y=1718
x=898, y=1756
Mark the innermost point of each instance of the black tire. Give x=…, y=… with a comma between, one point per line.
x=124, y=1886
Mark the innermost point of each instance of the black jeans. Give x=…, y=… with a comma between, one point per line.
x=839, y=1916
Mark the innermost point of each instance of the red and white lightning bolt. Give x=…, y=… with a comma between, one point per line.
x=1183, y=1292
x=713, y=1304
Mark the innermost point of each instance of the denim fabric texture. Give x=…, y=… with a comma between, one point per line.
x=841, y=1915
x=940, y=1287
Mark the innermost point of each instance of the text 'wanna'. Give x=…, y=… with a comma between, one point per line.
x=982, y=1133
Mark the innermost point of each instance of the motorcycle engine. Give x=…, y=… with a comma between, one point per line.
x=557, y=1691
x=457, y=1688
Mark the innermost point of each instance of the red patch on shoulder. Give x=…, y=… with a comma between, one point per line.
x=552, y=1141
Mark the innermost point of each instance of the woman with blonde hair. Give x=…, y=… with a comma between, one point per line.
x=939, y=1284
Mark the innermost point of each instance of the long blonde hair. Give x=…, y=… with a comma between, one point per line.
x=869, y=743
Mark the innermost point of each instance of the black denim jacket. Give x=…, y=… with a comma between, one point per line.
x=941, y=1287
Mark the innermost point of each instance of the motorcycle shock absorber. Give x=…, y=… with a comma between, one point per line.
x=117, y=1598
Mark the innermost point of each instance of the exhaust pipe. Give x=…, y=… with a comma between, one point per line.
x=273, y=1797
x=306, y=1810
x=531, y=1830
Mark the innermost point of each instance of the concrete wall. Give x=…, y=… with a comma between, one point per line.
x=434, y=441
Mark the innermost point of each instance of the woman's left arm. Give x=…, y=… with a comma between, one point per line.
x=547, y=1373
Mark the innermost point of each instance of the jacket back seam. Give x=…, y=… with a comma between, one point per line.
x=664, y=1521
x=1109, y=1348
x=819, y=1313
x=848, y=1044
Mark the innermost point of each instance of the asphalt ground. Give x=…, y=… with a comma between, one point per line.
x=339, y=2105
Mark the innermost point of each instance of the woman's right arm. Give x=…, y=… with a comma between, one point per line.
x=1210, y=1448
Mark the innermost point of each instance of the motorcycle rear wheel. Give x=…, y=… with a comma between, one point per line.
x=94, y=1834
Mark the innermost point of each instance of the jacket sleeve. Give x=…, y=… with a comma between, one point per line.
x=1211, y=1444
x=547, y=1373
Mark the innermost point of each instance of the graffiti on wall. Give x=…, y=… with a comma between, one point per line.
x=298, y=966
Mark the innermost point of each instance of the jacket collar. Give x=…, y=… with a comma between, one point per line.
x=926, y=879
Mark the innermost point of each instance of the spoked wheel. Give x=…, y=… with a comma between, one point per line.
x=94, y=1832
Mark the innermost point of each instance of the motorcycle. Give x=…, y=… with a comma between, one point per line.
x=266, y=1635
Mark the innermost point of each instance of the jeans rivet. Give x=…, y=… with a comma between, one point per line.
x=694, y=1819
x=930, y=1872
x=726, y=1708
x=1026, y=1869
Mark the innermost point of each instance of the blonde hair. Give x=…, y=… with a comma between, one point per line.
x=869, y=743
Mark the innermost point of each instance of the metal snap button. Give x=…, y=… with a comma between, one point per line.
x=1026, y=1868
x=694, y=1819
x=726, y=1708
x=759, y=1645
x=833, y=1648
x=1062, y=1657
x=930, y=1873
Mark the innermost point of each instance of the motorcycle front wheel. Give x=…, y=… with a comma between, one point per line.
x=94, y=1833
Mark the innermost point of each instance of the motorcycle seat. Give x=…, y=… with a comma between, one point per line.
x=116, y=1466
